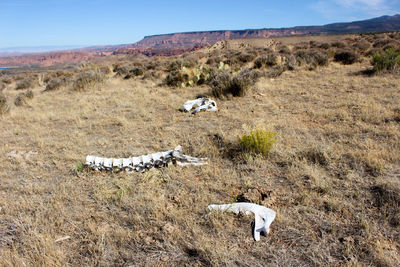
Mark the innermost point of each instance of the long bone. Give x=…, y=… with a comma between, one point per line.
x=144, y=162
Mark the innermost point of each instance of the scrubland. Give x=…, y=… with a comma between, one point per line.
x=332, y=175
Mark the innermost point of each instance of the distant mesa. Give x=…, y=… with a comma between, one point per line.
x=178, y=43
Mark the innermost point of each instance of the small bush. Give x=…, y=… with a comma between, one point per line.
x=136, y=71
x=346, y=57
x=268, y=60
x=4, y=108
x=2, y=86
x=87, y=79
x=312, y=57
x=258, y=141
x=387, y=61
x=175, y=65
x=24, y=84
x=6, y=80
x=176, y=78
x=338, y=44
x=54, y=84
x=245, y=57
x=325, y=46
x=284, y=49
x=225, y=84
x=29, y=94
x=20, y=100
x=213, y=60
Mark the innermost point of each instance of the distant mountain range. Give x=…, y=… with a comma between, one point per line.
x=176, y=43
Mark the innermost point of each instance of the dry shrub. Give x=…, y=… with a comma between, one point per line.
x=2, y=86
x=362, y=45
x=135, y=71
x=387, y=199
x=4, y=107
x=54, y=84
x=20, y=100
x=87, y=79
x=259, y=141
x=312, y=57
x=24, y=84
x=338, y=44
x=6, y=80
x=245, y=57
x=346, y=57
x=121, y=70
x=225, y=84
x=325, y=46
x=283, y=49
x=176, y=78
x=213, y=60
x=268, y=60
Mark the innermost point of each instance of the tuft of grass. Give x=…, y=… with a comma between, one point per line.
x=388, y=61
x=259, y=141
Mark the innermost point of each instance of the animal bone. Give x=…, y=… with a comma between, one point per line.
x=201, y=103
x=144, y=162
x=263, y=216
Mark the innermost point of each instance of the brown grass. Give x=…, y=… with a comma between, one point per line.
x=332, y=175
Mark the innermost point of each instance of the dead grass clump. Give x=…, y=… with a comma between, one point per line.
x=87, y=80
x=6, y=80
x=225, y=84
x=346, y=57
x=2, y=86
x=259, y=141
x=4, y=107
x=24, y=84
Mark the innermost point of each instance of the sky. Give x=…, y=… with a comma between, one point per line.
x=31, y=23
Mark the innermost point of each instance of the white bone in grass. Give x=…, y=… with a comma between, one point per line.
x=263, y=216
x=201, y=104
x=144, y=162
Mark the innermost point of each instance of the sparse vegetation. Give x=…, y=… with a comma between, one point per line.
x=54, y=84
x=24, y=84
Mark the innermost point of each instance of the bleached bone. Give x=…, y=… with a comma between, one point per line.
x=201, y=103
x=263, y=216
x=144, y=162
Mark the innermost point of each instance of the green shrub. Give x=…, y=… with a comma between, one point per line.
x=258, y=141
x=87, y=79
x=387, y=61
x=346, y=57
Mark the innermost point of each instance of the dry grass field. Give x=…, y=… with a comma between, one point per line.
x=333, y=175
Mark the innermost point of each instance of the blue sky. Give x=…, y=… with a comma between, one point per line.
x=100, y=22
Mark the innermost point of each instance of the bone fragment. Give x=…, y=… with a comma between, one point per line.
x=199, y=105
x=263, y=216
